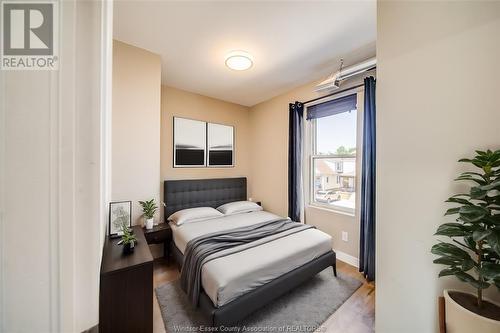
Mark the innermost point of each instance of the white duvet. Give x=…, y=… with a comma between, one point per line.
x=225, y=279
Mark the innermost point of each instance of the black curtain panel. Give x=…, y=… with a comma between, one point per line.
x=367, y=228
x=296, y=111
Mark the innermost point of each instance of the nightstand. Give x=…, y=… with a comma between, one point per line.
x=160, y=233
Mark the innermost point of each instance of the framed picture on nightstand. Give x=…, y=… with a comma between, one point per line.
x=120, y=212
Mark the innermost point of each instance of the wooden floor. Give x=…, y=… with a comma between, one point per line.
x=356, y=315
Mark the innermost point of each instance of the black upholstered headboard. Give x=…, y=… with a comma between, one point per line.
x=190, y=193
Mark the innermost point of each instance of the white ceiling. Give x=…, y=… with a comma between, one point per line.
x=292, y=43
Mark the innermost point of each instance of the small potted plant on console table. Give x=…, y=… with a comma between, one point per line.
x=149, y=209
x=128, y=239
x=473, y=255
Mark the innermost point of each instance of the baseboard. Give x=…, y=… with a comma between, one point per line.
x=348, y=259
x=93, y=329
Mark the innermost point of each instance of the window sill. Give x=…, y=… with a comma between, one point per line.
x=331, y=210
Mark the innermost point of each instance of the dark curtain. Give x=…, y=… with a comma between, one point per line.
x=296, y=111
x=367, y=228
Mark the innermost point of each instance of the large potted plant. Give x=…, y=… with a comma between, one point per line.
x=473, y=253
x=148, y=209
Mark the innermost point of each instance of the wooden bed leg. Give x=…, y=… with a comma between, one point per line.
x=334, y=264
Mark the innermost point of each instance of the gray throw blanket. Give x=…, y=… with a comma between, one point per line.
x=203, y=249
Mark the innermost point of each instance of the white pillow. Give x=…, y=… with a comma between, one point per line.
x=194, y=215
x=239, y=207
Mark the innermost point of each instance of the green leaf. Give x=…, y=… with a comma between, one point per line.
x=457, y=264
x=470, y=219
x=449, y=250
x=492, y=220
x=477, y=193
x=495, y=184
x=468, y=264
x=490, y=254
x=449, y=271
x=477, y=210
x=490, y=270
x=472, y=214
x=459, y=201
x=471, y=178
x=448, y=261
x=452, y=211
x=497, y=283
x=479, y=235
x=495, y=218
x=451, y=230
x=469, y=241
x=479, y=181
x=460, y=195
x=472, y=174
x=493, y=240
x=462, y=276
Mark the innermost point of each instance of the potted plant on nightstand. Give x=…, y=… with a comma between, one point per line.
x=128, y=239
x=149, y=209
x=473, y=255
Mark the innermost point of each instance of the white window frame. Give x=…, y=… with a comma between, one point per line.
x=337, y=164
x=309, y=148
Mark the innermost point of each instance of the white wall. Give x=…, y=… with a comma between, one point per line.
x=437, y=100
x=51, y=177
x=136, y=127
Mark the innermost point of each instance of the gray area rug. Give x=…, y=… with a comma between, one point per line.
x=301, y=310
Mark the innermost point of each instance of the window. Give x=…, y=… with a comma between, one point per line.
x=333, y=158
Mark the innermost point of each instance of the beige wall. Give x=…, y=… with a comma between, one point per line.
x=180, y=103
x=269, y=167
x=269, y=148
x=437, y=101
x=136, y=126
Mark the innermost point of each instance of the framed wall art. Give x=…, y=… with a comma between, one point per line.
x=220, y=145
x=190, y=143
x=120, y=212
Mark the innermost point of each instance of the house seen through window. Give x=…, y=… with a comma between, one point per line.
x=333, y=161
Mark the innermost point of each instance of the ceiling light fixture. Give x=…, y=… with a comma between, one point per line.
x=239, y=60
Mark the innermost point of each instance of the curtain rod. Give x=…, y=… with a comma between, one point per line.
x=334, y=93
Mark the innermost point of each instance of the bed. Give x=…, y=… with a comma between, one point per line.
x=238, y=284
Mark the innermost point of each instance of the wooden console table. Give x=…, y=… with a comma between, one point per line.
x=126, y=289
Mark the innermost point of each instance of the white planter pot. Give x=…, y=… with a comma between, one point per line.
x=149, y=224
x=461, y=320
